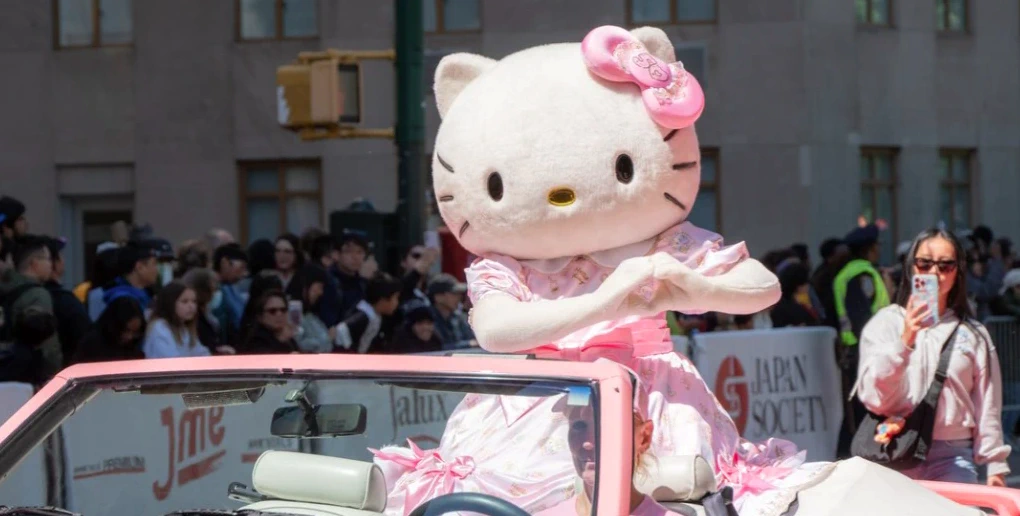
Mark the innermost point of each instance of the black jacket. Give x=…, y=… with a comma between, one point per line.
x=72, y=318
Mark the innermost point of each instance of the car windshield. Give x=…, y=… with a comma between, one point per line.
x=168, y=445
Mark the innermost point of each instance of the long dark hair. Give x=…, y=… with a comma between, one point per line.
x=165, y=308
x=958, y=294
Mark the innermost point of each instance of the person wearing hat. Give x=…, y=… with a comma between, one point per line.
x=417, y=332
x=231, y=264
x=835, y=254
x=859, y=291
x=445, y=297
x=139, y=265
x=14, y=224
x=350, y=252
x=72, y=319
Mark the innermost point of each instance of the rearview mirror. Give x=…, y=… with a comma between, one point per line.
x=332, y=420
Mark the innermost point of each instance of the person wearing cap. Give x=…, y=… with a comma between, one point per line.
x=231, y=264
x=14, y=224
x=859, y=291
x=835, y=254
x=139, y=265
x=28, y=321
x=417, y=333
x=446, y=295
x=350, y=254
x=72, y=319
x=82, y=290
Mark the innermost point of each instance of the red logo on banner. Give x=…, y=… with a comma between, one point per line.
x=187, y=436
x=731, y=391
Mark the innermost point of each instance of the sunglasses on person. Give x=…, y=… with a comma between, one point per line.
x=925, y=264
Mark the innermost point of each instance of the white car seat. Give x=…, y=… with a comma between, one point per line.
x=677, y=482
x=317, y=485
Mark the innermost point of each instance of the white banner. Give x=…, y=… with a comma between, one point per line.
x=134, y=454
x=776, y=383
x=26, y=485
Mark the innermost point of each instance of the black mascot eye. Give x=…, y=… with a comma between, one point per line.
x=495, y=185
x=624, y=169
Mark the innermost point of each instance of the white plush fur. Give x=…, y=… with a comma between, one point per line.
x=543, y=122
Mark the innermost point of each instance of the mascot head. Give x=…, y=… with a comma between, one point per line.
x=567, y=149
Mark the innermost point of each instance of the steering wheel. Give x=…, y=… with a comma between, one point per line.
x=472, y=502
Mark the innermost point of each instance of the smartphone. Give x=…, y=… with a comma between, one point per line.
x=925, y=289
x=295, y=312
x=431, y=239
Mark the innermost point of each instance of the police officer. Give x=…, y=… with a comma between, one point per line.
x=859, y=290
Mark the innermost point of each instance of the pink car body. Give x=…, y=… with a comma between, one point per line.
x=614, y=395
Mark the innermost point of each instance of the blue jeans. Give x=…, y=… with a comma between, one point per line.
x=948, y=461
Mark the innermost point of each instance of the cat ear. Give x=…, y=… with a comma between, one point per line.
x=454, y=73
x=657, y=42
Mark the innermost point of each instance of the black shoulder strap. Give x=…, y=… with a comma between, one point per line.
x=7, y=323
x=935, y=390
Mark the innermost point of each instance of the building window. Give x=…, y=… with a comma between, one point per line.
x=694, y=57
x=955, y=191
x=260, y=20
x=278, y=197
x=951, y=15
x=93, y=23
x=451, y=15
x=670, y=12
x=874, y=12
x=706, y=213
x=878, y=195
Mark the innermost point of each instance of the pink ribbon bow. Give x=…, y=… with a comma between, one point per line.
x=745, y=477
x=436, y=476
x=671, y=95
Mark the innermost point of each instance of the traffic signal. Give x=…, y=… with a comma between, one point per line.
x=309, y=94
x=319, y=96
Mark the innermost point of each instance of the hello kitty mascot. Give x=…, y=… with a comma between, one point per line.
x=571, y=170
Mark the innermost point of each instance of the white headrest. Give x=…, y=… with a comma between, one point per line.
x=303, y=477
x=683, y=478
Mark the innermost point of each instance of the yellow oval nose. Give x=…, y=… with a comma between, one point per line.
x=562, y=197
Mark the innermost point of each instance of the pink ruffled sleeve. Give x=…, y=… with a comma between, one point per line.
x=700, y=249
x=496, y=273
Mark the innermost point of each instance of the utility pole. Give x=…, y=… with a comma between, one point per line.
x=410, y=130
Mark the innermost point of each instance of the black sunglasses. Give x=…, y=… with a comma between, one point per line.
x=925, y=265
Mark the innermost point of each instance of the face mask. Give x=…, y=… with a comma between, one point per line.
x=216, y=301
x=166, y=273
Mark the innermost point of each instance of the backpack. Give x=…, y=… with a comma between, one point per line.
x=7, y=314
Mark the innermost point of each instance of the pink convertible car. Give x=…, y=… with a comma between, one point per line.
x=290, y=435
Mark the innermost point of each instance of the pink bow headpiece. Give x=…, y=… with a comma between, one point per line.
x=672, y=96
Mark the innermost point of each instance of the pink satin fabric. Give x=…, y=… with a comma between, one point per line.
x=438, y=476
x=756, y=469
x=672, y=96
x=518, y=444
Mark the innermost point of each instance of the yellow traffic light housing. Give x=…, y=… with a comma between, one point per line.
x=319, y=96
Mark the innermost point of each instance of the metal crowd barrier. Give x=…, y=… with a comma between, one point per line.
x=1005, y=333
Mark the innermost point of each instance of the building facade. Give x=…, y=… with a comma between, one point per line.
x=164, y=111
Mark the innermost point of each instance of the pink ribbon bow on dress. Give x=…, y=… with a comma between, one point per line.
x=671, y=95
x=435, y=475
x=754, y=467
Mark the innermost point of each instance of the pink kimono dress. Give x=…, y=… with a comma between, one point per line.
x=515, y=448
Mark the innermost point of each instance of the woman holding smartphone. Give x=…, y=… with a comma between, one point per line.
x=900, y=350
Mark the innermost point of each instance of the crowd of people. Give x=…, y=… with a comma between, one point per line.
x=144, y=298
x=889, y=344
x=322, y=293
